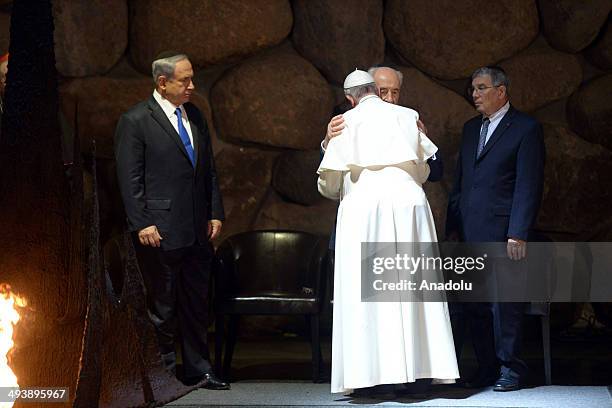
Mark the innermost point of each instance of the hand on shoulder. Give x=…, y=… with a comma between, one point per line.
x=334, y=128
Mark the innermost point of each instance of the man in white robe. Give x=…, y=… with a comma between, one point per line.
x=376, y=167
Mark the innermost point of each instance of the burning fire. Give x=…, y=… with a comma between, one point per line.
x=9, y=316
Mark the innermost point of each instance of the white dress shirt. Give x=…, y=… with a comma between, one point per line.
x=494, y=120
x=170, y=110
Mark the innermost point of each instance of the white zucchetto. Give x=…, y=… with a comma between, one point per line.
x=357, y=78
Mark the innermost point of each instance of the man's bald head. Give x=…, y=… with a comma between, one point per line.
x=389, y=82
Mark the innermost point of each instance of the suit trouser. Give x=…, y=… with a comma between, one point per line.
x=478, y=317
x=508, y=329
x=177, y=283
x=496, y=330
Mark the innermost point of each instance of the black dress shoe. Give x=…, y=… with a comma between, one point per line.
x=481, y=380
x=211, y=382
x=509, y=381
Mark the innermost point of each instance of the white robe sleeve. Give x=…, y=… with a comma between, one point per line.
x=330, y=183
x=333, y=167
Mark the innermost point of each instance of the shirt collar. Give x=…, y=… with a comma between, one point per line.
x=168, y=107
x=499, y=114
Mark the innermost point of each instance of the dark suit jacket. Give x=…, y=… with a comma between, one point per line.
x=498, y=195
x=158, y=183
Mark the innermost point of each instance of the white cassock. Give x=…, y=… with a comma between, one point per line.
x=376, y=167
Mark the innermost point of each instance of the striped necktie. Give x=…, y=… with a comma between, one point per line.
x=483, y=136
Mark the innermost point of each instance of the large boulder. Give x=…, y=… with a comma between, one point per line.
x=213, y=31
x=589, y=111
x=279, y=214
x=338, y=36
x=577, y=186
x=92, y=107
x=449, y=39
x=295, y=176
x=571, y=25
x=90, y=37
x=443, y=111
x=244, y=175
x=600, y=52
x=538, y=78
x=278, y=99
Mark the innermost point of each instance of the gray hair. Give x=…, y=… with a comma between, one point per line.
x=497, y=74
x=165, y=66
x=372, y=71
x=360, y=91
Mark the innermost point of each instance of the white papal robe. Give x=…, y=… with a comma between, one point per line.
x=376, y=167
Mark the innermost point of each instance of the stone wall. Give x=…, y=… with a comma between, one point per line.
x=268, y=76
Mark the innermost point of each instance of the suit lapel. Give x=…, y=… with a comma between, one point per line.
x=472, y=141
x=503, y=125
x=160, y=117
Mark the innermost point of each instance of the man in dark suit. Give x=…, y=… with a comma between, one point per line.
x=171, y=196
x=495, y=198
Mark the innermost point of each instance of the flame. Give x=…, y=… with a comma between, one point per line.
x=9, y=316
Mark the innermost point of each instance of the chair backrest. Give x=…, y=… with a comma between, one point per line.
x=272, y=262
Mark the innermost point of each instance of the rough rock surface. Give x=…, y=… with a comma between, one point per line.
x=538, y=78
x=449, y=39
x=210, y=31
x=572, y=25
x=437, y=196
x=278, y=100
x=295, y=177
x=442, y=110
x=279, y=214
x=573, y=167
x=90, y=37
x=600, y=52
x=589, y=111
x=338, y=36
x=244, y=178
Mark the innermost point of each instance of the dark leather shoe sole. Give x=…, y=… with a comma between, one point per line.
x=210, y=382
x=506, y=388
x=222, y=386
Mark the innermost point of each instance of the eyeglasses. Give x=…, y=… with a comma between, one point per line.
x=480, y=89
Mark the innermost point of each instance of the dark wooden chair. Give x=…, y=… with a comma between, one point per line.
x=542, y=310
x=270, y=272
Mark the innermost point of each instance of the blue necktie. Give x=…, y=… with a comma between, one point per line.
x=483, y=136
x=185, y=137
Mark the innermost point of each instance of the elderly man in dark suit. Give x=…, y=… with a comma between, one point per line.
x=171, y=196
x=496, y=198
